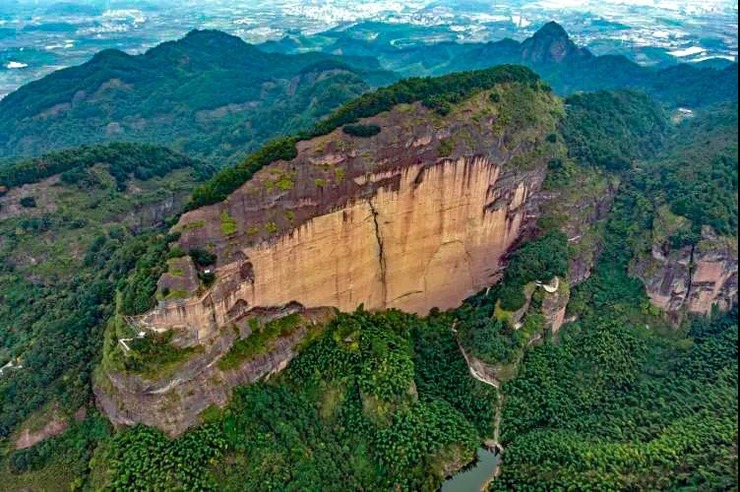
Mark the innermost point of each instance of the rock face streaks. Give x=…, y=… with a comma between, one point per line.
x=692, y=278
x=416, y=217
x=430, y=243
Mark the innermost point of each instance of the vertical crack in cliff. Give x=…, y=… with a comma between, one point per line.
x=381, y=249
x=691, y=275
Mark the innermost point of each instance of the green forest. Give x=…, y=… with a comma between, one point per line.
x=435, y=93
x=210, y=94
x=225, y=101
x=624, y=400
x=365, y=406
x=63, y=263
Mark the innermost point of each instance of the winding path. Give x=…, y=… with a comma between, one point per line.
x=473, y=371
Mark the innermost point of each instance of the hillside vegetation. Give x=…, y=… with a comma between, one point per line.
x=63, y=258
x=623, y=400
x=123, y=161
x=550, y=52
x=208, y=94
x=435, y=93
x=379, y=401
x=613, y=129
x=619, y=399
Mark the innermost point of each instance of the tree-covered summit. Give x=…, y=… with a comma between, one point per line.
x=437, y=93
x=207, y=94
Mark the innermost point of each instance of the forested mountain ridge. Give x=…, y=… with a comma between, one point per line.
x=72, y=224
x=507, y=327
x=209, y=94
x=550, y=52
x=212, y=95
x=624, y=399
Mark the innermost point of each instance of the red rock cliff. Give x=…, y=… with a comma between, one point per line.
x=414, y=218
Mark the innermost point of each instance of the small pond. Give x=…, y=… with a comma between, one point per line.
x=472, y=478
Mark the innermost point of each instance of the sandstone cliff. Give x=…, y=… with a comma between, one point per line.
x=413, y=218
x=691, y=278
x=173, y=400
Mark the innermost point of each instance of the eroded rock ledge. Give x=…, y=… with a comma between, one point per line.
x=173, y=402
x=691, y=278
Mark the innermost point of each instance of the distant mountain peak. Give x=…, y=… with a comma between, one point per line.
x=208, y=34
x=212, y=38
x=110, y=55
x=552, y=29
x=551, y=44
x=207, y=47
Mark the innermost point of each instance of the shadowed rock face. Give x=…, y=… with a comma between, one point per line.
x=382, y=221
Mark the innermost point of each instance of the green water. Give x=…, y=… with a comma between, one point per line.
x=472, y=479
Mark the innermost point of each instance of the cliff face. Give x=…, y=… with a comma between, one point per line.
x=430, y=243
x=414, y=218
x=692, y=278
x=173, y=401
x=579, y=201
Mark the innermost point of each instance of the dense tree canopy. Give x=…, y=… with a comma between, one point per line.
x=371, y=404
x=613, y=129
x=385, y=401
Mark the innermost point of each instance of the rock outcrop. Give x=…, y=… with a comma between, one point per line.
x=416, y=217
x=691, y=278
x=174, y=401
x=578, y=206
x=53, y=427
x=551, y=44
x=554, y=303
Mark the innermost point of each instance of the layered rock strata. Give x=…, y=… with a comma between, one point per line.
x=174, y=402
x=416, y=217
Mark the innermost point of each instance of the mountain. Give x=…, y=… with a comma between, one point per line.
x=212, y=95
x=72, y=224
x=481, y=202
x=209, y=94
x=551, y=44
x=550, y=52
x=376, y=190
x=569, y=69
